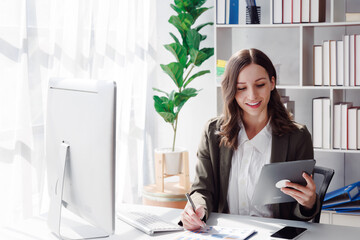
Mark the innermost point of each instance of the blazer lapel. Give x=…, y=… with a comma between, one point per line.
x=225, y=165
x=279, y=148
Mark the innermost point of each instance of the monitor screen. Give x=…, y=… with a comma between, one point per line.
x=81, y=113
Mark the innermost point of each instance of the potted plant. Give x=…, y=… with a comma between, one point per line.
x=188, y=55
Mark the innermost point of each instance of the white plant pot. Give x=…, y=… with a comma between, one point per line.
x=173, y=161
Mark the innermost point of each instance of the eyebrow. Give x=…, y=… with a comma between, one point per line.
x=255, y=80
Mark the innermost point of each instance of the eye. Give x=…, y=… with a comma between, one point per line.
x=240, y=89
x=260, y=85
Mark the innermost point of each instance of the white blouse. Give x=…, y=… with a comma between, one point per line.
x=246, y=165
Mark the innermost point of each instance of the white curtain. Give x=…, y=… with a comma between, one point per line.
x=100, y=39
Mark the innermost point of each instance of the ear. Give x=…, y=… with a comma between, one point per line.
x=272, y=83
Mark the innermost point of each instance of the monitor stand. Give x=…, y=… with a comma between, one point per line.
x=56, y=203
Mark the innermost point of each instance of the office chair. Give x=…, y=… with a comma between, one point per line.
x=322, y=179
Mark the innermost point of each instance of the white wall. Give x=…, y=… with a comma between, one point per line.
x=197, y=110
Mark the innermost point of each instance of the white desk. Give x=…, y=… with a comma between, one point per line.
x=36, y=228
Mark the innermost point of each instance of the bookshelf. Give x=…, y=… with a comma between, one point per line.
x=290, y=48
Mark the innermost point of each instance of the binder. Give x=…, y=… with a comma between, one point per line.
x=340, y=63
x=296, y=15
x=305, y=11
x=318, y=65
x=351, y=205
x=326, y=63
x=278, y=12
x=352, y=127
x=337, y=126
x=317, y=10
x=333, y=60
x=287, y=11
x=344, y=124
x=234, y=12
x=220, y=11
x=342, y=195
x=346, y=40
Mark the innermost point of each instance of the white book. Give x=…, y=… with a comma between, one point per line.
x=357, y=60
x=326, y=63
x=352, y=60
x=305, y=11
x=344, y=124
x=296, y=11
x=318, y=65
x=287, y=11
x=277, y=17
x=317, y=123
x=340, y=63
x=346, y=40
x=317, y=10
x=358, y=129
x=333, y=67
x=326, y=128
x=337, y=126
x=352, y=128
x=220, y=11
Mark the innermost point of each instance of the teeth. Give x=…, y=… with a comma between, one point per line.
x=253, y=104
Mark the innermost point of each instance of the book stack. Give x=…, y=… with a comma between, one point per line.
x=289, y=105
x=321, y=122
x=337, y=62
x=298, y=11
x=227, y=11
x=346, y=199
x=346, y=126
x=220, y=69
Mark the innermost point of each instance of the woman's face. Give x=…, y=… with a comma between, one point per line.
x=253, y=91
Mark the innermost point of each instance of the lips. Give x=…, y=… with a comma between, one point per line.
x=254, y=104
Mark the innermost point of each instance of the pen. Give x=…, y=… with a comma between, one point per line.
x=190, y=201
x=192, y=205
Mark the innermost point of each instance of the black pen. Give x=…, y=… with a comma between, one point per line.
x=192, y=205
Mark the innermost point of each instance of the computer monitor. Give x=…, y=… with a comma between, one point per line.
x=80, y=151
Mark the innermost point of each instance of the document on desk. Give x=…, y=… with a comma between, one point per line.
x=215, y=232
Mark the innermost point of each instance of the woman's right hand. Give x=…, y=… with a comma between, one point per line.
x=192, y=220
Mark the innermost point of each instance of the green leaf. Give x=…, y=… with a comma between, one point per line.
x=203, y=37
x=198, y=28
x=177, y=9
x=195, y=76
x=175, y=71
x=208, y=51
x=193, y=39
x=182, y=97
x=158, y=90
x=197, y=12
x=183, y=4
x=197, y=57
x=178, y=51
x=168, y=117
x=175, y=38
x=175, y=20
x=186, y=20
x=198, y=3
x=182, y=22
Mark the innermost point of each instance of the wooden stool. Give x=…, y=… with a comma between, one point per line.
x=161, y=175
x=173, y=195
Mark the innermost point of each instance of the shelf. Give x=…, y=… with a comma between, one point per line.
x=336, y=150
x=318, y=87
x=294, y=25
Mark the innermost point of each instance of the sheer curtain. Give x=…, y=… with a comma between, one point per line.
x=100, y=39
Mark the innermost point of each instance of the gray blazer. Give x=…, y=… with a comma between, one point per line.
x=211, y=182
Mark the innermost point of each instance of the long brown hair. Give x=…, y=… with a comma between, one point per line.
x=281, y=122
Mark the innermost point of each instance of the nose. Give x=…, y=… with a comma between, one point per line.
x=252, y=93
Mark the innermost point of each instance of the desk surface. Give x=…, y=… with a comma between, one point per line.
x=36, y=228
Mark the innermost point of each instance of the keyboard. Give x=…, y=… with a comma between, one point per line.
x=147, y=222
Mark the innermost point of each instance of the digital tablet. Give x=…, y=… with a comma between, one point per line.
x=273, y=177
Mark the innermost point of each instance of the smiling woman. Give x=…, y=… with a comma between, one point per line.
x=255, y=129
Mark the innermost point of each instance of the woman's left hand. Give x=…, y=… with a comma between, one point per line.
x=304, y=195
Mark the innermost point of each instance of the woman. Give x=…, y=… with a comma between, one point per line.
x=255, y=129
